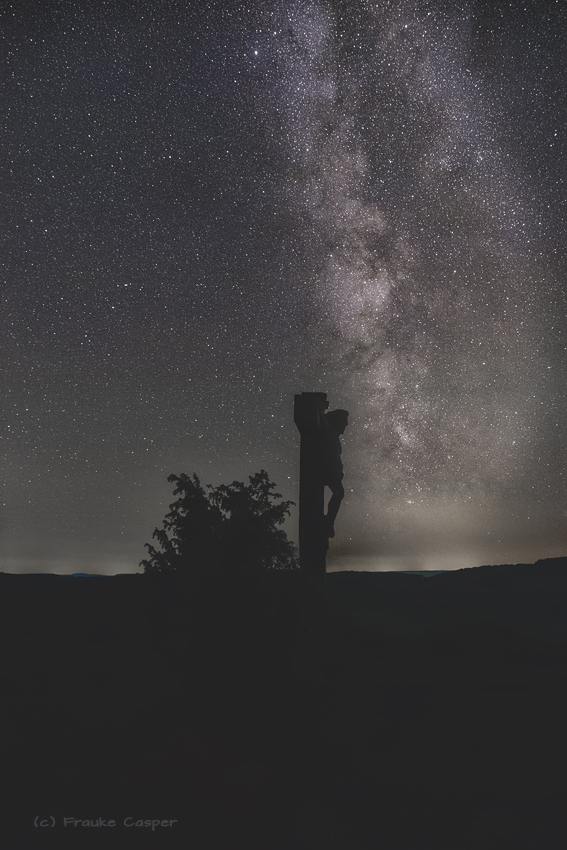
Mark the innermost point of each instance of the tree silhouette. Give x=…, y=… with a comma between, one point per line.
x=233, y=527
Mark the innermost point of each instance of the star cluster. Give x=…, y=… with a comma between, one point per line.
x=210, y=207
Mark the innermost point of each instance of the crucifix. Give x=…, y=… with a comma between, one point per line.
x=319, y=466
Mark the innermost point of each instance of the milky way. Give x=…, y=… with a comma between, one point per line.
x=208, y=208
x=428, y=272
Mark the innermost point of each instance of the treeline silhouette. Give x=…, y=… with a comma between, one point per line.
x=231, y=528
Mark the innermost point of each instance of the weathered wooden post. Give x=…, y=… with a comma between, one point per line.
x=309, y=409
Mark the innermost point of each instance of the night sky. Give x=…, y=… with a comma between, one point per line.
x=209, y=207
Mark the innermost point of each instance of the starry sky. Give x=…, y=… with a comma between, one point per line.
x=209, y=207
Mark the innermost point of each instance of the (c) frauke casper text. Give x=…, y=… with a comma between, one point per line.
x=75, y=823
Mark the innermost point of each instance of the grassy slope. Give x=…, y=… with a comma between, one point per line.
x=424, y=696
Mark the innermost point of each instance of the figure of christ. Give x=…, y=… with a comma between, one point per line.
x=334, y=424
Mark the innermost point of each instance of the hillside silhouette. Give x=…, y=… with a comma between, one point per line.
x=428, y=712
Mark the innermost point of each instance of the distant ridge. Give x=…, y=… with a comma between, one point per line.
x=544, y=566
x=424, y=573
x=50, y=579
x=87, y=575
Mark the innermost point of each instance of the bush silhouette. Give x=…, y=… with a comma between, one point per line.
x=233, y=527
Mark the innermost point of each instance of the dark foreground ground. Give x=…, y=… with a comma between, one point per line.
x=428, y=713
